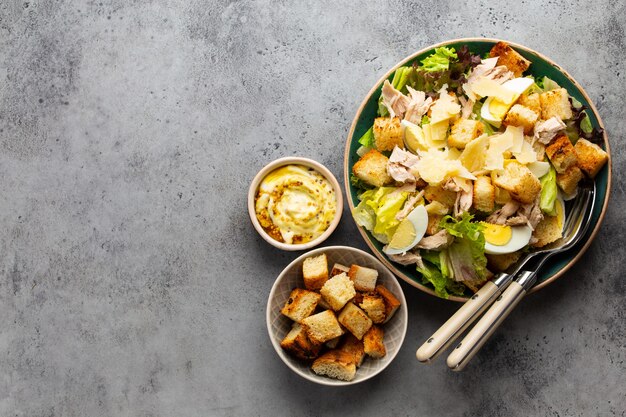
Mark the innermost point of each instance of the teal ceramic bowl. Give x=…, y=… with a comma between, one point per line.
x=541, y=66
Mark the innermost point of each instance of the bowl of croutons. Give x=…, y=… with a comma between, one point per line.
x=336, y=316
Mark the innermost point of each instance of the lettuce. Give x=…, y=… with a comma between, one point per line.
x=377, y=211
x=548, y=84
x=547, y=200
x=367, y=139
x=466, y=255
x=440, y=60
x=436, y=272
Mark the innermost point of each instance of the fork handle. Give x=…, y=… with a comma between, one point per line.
x=464, y=316
x=488, y=324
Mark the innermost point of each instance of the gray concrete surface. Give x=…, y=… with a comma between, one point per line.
x=131, y=282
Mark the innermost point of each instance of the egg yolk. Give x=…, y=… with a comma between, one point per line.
x=496, y=234
x=403, y=236
x=498, y=109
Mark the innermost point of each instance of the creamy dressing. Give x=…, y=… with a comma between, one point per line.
x=295, y=204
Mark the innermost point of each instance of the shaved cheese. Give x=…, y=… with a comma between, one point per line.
x=498, y=144
x=435, y=134
x=527, y=155
x=485, y=87
x=434, y=167
x=444, y=108
x=474, y=154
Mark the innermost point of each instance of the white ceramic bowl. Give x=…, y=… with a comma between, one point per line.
x=294, y=161
x=278, y=325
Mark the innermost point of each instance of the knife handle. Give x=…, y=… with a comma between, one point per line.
x=464, y=316
x=485, y=327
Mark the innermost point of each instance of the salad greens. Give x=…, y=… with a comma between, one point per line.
x=377, y=211
x=547, y=201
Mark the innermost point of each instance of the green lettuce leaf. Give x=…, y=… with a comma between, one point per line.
x=439, y=60
x=367, y=139
x=377, y=211
x=466, y=255
x=549, y=84
x=547, y=200
x=436, y=273
x=431, y=274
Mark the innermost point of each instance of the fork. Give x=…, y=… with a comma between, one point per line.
x=575, y=228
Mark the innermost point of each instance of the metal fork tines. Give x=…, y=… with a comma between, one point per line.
x=576, y=226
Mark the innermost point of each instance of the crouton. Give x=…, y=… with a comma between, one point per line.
x=374, y=307
x=433, y=226
x=364, y=278
x=333, y=343
x=561, y=153
x=315, y=272
x=500, y=263
x=437, y=193
x=338, y=290
x=338, y=269
x=355, y=347
x=519, y=182
x=335, y=364
x=568, y=180
x=539, y=148
x=391, y=302
x=464, y=131
x=373, y=342
x=372, y=168
x=388, y=133
x=355, y=320
x=502, y=196
x=508, y=57
x=547, y=231
x=555, y=103
x=591, y=157
x=322, y=327
x=484, y=195
x=298, y=344
x=521, y=116
x=531, y=101
x=300, y=304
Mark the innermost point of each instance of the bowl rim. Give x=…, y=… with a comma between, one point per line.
x=411, y=57
x=295, y=160
x=320, y=379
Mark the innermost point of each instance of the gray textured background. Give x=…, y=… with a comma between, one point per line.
x=132, y=282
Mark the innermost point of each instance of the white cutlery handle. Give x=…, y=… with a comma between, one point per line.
x=456, y=324
x=485, y=327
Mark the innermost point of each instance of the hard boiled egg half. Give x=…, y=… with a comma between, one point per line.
x=495, y=108
x=409, y=232
x=505, y=239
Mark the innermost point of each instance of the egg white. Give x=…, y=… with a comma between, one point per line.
x=520, y=236
x=419, y=218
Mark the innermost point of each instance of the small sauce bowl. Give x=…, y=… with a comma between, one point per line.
x=321, y=169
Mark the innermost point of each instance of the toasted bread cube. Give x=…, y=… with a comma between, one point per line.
x=322, y=327
x=561, y=153
x=374, y=307
x=531, y=101
x=355, y=347
x=539, y=148
x=591, y=157
x=388, y=133
x=338, y=290
x=323, y=305
x=372, y=168
x=437, y=193
x=568, y=181
x=519, y=182
x=555, y=103
x=547, y=231
x=373, y=342
x=315, y=272
x=463, y=132
x=364, y=278
x=508, y=57
x=502, y=196
x=333, y=343
x=335, y=364
x=338, y=269
x=355, y=320
x=521, y=116
x=500, y=263
x=484, y=194
x=298, y=344
x=300, y=304
x=392, y=304
x=433, y=226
